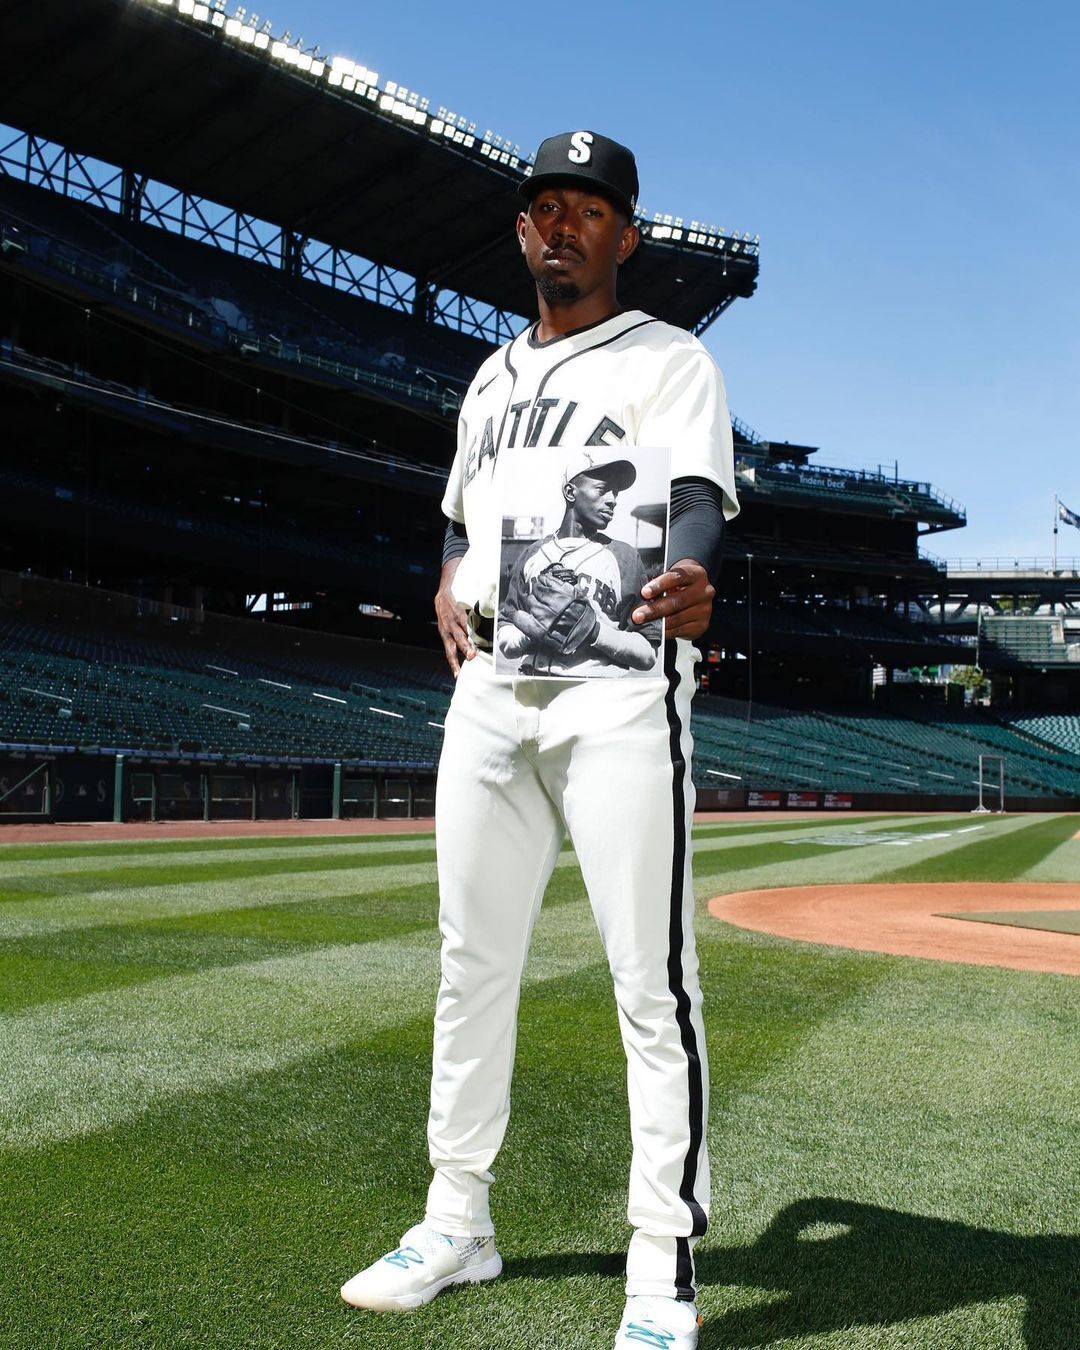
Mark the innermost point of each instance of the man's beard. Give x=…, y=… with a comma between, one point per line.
x=556, y=289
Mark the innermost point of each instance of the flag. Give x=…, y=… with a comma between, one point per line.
x=1069, y=517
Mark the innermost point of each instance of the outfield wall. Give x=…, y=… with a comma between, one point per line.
x=79, y=786
x=66, y=786
x=749, y=799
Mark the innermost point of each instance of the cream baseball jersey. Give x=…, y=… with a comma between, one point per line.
x=629, y=380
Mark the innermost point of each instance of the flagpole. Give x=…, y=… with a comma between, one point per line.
x=1057, y=511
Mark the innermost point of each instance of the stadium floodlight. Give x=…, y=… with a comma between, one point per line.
x=391, y=86
x=262, y=41
x=186, y=6
x=201, y=13
x=218, y=19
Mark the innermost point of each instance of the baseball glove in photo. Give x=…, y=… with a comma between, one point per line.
x=561, y=609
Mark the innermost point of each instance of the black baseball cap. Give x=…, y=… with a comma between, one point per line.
x=590, y=158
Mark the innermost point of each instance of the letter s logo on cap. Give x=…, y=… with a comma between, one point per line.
x=580, y=151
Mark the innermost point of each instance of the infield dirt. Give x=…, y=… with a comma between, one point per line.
x=905, y=919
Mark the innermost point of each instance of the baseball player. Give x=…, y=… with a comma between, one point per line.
x=568, y=603
x=527, y=761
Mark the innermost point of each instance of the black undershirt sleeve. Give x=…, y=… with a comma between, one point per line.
x=455, y=542
x=697, y=526
x=697, y=523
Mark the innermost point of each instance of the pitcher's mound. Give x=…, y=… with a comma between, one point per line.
x=907, y=919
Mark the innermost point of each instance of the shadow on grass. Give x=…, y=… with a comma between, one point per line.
x=842, y=1264
x=837, y=1264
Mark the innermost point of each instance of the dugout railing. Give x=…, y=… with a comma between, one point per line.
x=26, y=791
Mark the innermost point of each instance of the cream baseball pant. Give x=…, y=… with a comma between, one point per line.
x=524, y=763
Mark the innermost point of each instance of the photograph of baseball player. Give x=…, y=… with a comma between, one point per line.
x=568, y=595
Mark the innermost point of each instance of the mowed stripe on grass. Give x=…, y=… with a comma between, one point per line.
x=864, y=853
x=84, y=1063
x=1005, y=854
x=117, y=851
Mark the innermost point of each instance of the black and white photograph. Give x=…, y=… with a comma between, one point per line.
x=582, y=531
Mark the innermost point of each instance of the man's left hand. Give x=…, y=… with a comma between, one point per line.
x=683, y=596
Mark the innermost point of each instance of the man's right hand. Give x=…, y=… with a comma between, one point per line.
x=452, y=619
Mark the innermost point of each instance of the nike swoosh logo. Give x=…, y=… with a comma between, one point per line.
x=485, y=385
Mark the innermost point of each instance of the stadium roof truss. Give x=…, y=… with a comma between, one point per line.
x=254, y=143
x=42, y=163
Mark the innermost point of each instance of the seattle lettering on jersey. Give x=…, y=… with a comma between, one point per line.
x=532, y=423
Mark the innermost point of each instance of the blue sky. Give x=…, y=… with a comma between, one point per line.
x=913, y=173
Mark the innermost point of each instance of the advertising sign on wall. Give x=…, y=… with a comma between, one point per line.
x=805, y=800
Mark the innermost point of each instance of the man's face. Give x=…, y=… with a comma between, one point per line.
x=573, y=240
x=592, y=501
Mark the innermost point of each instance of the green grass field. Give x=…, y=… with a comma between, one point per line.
x=213, y=1080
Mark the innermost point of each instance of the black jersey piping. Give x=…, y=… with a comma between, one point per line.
x=537, y=345
x=687, y=1035
x=510, y=397
x=585, y=351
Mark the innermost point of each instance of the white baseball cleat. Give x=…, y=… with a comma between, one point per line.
x=421, y=1266
x=663, y=1323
